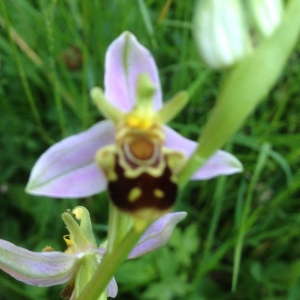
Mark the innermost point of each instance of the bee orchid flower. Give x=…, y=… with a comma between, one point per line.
x=78, y=263
x=133, y=153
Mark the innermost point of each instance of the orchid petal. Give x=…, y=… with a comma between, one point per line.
x=37, y=268
x=125, y=60
x=158, y=234
x=221, y=163
x=67, y=169
x=112, y=288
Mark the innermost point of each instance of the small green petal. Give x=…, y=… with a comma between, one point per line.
x=109, y=111
x=78, y=241
x=82, y=214
x=173, y=107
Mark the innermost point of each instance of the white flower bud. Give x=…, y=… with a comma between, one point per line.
x=220, y=32
x=266, y=15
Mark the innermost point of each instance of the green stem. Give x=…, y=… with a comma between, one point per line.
x=119, y=225
x=109, y=265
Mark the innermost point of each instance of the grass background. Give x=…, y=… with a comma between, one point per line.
x=245, y=226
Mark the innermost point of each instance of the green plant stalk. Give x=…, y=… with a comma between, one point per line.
x=243, y=224
x=246, y=85
x=148, y=23
x=119, y=225
x=109, y=265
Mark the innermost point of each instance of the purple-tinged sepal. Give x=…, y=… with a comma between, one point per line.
x=37, y=268
x=68, y=169
x=158, y=234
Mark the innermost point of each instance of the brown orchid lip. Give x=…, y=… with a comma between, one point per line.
x=145, y=192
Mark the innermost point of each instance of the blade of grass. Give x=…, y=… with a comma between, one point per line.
x=242, y=225
x=147, y=22
x=218, y=204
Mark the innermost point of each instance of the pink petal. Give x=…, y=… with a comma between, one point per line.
x=221, y=163
x=37, y=268
x=67, y=169
x=125, y=60
x=112, y=288
x=158, y=234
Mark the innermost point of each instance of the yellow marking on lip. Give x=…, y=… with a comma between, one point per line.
x=158, y=193
x=134, y=194
x=106, y=160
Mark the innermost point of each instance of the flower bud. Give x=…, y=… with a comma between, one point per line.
x=220, y=32
x=266, y=15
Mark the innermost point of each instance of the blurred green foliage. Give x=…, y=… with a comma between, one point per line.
x=51, y=54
